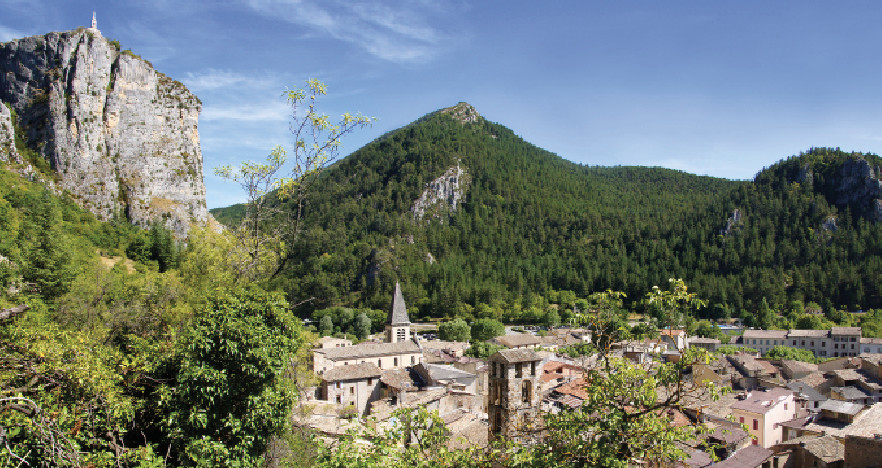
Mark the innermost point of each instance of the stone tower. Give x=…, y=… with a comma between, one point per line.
x=398, y=323
x=514, y=396
x=94, y=21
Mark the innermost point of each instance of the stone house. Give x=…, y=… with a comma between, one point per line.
x=514, y=392
x=762, y=411
x=357, y=385
x=383, y=355
x=327, y=342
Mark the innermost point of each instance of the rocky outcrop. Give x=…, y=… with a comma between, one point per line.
x=858, y=184
x=122, y=136
x=732, y=223
x=443, y=195
x=8, y=153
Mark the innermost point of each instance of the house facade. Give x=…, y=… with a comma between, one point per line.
x=762, y=411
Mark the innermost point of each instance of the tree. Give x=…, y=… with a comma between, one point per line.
x=362, y=326
x=230, y=390
x=624, y=421
x=316, y=145
x=482, y=350
x=486, y=329
x=791, y=354
x=455, y=330
x=326, y=325
x=551, y=319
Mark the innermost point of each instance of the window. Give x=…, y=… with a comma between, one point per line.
x=526, y=392
x=533, y=369
x=794, y=342
x=802, y=343
x=371, y=382
x=823, y=344
x=352, y=390
x=755, y=424
x=519, y=371
x=754, y=442
x=813, y=344
x=785, y=406
x=412, y=360
x=339, y=399
x=741, y=420
x=338, y=384
x=380, y=363
x=395, y=362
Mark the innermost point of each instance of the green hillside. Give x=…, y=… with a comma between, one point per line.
x=534, y=225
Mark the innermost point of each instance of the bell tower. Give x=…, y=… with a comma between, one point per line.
x=398, y=323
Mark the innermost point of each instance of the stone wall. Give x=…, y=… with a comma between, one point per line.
x=122, y=136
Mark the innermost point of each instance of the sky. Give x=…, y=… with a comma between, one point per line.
x=716, y=88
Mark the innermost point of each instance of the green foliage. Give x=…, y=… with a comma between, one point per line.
x=486, y=328
x=231, y=391
x=725, y=350
x=793, y=354
x=347, y=321
x=482, y=350
x=455, y=330
x=628, y=420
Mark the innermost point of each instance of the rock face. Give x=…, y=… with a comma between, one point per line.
x=443, y=195
x=8, y=153
x=122, y=136
x=858, y=184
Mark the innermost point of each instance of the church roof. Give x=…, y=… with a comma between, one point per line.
x=398, y=311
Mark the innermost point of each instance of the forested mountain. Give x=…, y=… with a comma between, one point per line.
x=529, y=227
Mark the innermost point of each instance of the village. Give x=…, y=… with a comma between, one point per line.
x=779, y=413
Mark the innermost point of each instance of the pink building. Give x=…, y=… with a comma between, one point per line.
x=762, y=411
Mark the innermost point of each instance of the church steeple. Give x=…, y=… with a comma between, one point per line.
x=398, y=323
x=94, y=21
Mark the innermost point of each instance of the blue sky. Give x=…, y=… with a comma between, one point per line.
x=709, y=87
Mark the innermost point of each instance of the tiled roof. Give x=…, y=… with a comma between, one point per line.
x=510, y=356
x=809, y=333
x=845, y=331
x=873, y=358
x=398, y=379
x=353, y=372
x=761, y=402
x=828, y=449
x=797, y=423
x=523, y=339
x=871, y=341
x=848, y=374
x=366, y=350
x=799, y=366
x=806, y=391
x=575, y=388
x=850, y=393
x=842, y=407
x=765, y=334
x=704, y=340
x=671, y=332
x=748, y=457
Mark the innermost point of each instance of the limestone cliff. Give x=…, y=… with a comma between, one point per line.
x=443, y=195
x=122, y=136
x=8, y=153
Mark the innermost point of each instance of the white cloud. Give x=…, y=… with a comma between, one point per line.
x=398, y=33
x=213, y=79
x=275, y=112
